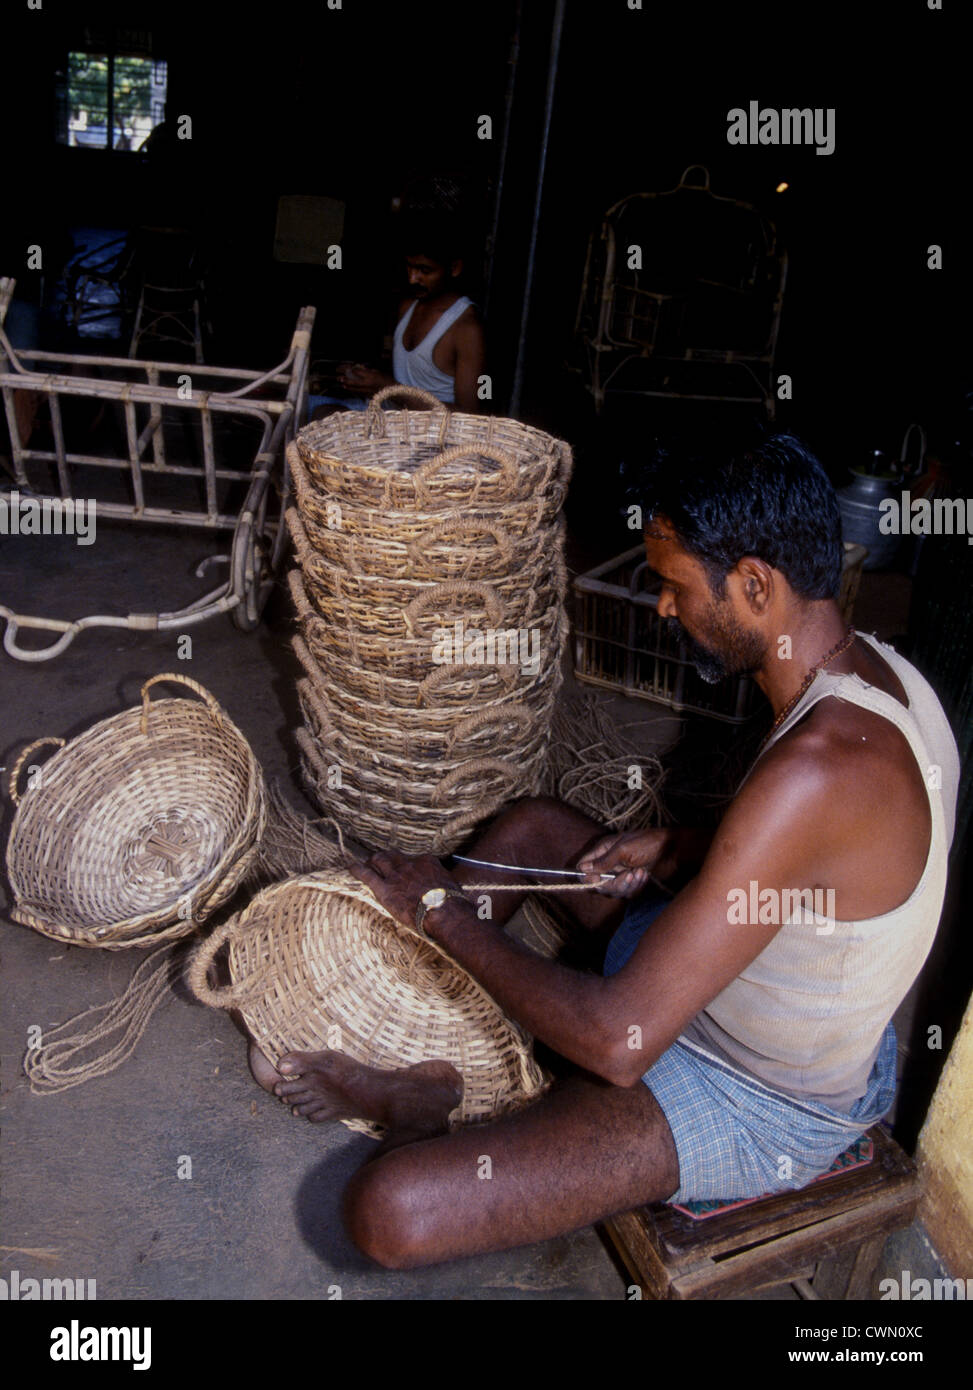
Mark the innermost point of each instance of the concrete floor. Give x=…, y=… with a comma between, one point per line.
x=92, y=1176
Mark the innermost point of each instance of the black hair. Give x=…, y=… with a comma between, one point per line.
x=766, y=496
x=430, y=234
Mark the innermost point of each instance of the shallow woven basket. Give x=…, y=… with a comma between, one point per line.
x=316, y=962
x=397, y=608
x=400, y=671
x=367, y=803
x=421, y=459
x=420, y=759
x=454, y=544
x=448, y=730
x=136, y=830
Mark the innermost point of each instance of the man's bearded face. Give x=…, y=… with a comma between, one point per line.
x=725, y=648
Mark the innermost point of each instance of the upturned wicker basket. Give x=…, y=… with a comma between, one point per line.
x=316, y=962
x=135, y=831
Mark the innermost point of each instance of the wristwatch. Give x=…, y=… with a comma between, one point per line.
x=435, y=897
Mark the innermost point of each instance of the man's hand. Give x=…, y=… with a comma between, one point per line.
x=633, y=857
x=399, y=881
x=355, y=376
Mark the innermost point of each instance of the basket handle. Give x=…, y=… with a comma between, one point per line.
x=493, y=714
x=302, y=484
x=305, y=554
x=474, y=768
x=374, y=418
x=200, y=690
x=18, y=766
x=507, y=462
x=449, y=590
x=299, y=594
x=458, y=526
x=223, y=996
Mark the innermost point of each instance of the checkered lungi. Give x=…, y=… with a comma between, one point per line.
x=735, y=1136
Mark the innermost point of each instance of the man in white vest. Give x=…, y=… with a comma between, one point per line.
x=740, y=1037
x=439, y=342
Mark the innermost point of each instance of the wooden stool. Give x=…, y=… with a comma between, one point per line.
x=777, y=1239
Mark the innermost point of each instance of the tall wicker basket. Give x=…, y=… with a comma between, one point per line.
x=430, y=560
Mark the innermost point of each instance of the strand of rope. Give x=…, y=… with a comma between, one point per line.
x=528, y=887
x=594, y=767
x=54, y=1065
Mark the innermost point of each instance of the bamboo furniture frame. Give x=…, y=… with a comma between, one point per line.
x=619, y=316
x=275, y=400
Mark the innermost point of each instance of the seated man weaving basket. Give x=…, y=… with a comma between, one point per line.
x=439, y=341
x=740, y=1036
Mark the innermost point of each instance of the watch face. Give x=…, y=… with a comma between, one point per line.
x=435, y=897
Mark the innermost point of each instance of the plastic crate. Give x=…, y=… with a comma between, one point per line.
x=621, y=643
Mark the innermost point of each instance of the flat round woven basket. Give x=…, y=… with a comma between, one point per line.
x=435, y=457
x=456, y=544
x=401, y=671
x=383, y=812
x=392, y=607
x=132, y=833
x=430, y=731
x=316, y=962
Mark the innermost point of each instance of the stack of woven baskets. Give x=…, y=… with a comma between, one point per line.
x=430, y=594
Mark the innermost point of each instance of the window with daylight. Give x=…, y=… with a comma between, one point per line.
x=110, y=100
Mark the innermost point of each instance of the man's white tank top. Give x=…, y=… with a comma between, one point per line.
x=807, y=1015
x=416, y=368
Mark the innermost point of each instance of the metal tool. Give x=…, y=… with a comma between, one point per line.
x=523, y=869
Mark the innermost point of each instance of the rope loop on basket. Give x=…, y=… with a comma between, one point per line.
x=18, y=766
x=230, y=996
x=210, y=701
x=460, y=527
x=375, y=416
x=476, y=767
x=428, y=470
x=450, y=590
x=491, y=714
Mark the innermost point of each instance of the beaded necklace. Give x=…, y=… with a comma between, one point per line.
x=836, y=650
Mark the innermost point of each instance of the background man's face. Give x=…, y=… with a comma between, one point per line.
x=718, y=638
x=427, y=277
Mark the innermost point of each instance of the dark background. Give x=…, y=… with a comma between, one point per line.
x=297, y=98
x=354, y=103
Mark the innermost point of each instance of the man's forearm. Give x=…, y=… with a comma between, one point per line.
x=685, y=850
x=566, y=1009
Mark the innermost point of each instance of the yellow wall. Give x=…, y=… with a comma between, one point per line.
x=945, y=1156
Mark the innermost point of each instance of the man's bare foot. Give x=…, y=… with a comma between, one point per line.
x=330, y=1086
x=262, y=1069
